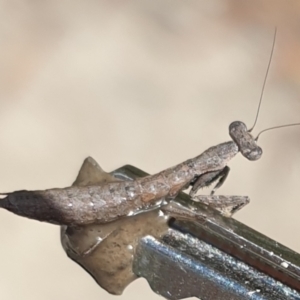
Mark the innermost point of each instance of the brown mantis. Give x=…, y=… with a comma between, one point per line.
x=80, y=205
x=106, y=202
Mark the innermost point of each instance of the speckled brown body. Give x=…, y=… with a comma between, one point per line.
x=105, y=202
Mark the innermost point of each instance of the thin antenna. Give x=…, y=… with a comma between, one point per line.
x=263, y=88
x=276, y=127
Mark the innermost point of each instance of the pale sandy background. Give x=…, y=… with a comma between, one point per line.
x=146, y=82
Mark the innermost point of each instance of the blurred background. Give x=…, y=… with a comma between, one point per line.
x=149, y=83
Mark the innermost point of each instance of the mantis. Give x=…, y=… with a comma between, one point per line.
x=92, y=209
x=103, y=203
x=109, y=201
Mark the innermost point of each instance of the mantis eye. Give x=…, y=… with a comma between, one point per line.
x=252, y=154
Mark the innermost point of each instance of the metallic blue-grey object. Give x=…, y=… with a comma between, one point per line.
x=182, y=266
x=218, y=259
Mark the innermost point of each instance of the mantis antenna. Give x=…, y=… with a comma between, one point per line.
x=276, y=127
x=264, y=84
x=261, y=96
